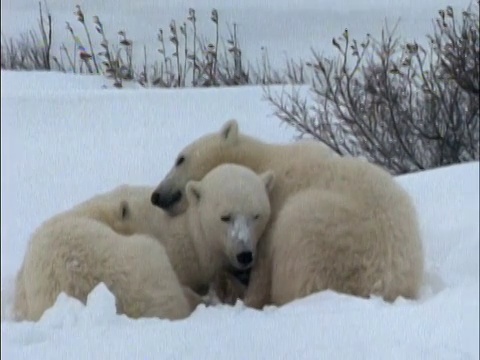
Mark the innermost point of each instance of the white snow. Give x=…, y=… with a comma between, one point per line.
x=65, y=138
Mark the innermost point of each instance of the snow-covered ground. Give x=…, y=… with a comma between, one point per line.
x=64, y=138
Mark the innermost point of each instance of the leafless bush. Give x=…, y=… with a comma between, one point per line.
x=402, y=106
x=264, y=74
x=186, y=58
x=32, y=50
x=196, y=61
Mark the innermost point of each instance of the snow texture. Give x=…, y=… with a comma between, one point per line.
x=65, y=138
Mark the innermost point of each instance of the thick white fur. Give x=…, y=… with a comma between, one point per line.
x=73, y=254
x=152, y=263
x=336, y=222
x=359, y=242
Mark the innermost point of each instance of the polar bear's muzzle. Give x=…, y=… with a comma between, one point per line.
x=242, y=261
x=245, y=258
x=240, y=238
x=165, y=199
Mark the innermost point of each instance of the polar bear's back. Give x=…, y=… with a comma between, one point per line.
x=72, y=254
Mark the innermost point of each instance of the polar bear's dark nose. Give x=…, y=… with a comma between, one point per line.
x=155, y=198
x=245, y=258
x=165, y=201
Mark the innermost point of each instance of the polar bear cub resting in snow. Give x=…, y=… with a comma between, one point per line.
x=336, y=223
x=151, y=262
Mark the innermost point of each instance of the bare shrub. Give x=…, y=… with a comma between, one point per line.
x=186, y=58
x=194, y=60
x=31, y=51
x=402, y=106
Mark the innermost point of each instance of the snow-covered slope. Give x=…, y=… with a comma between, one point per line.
x=63, y=139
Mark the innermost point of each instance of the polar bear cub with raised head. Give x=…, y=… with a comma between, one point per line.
x=154, y=265
x=336, y=222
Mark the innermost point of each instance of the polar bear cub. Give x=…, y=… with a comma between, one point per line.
x=152, y=263
x=336, y=222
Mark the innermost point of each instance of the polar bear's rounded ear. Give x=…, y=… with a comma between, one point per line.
x=268, y=178
x=124, y=210
x=229, y=131
x=193, y=191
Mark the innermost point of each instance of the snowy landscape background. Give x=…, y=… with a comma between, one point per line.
x=64, y=138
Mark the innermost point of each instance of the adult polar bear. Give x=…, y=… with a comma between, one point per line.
x=336, y=222
x=141, y=254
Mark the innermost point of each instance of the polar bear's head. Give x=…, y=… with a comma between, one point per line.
x=230, y=208
x=193, y=163
x=126, y=209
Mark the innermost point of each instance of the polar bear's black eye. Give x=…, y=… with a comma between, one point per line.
x=256, y=217
x=180, y=160
x=226, y=218
x=125, y=211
